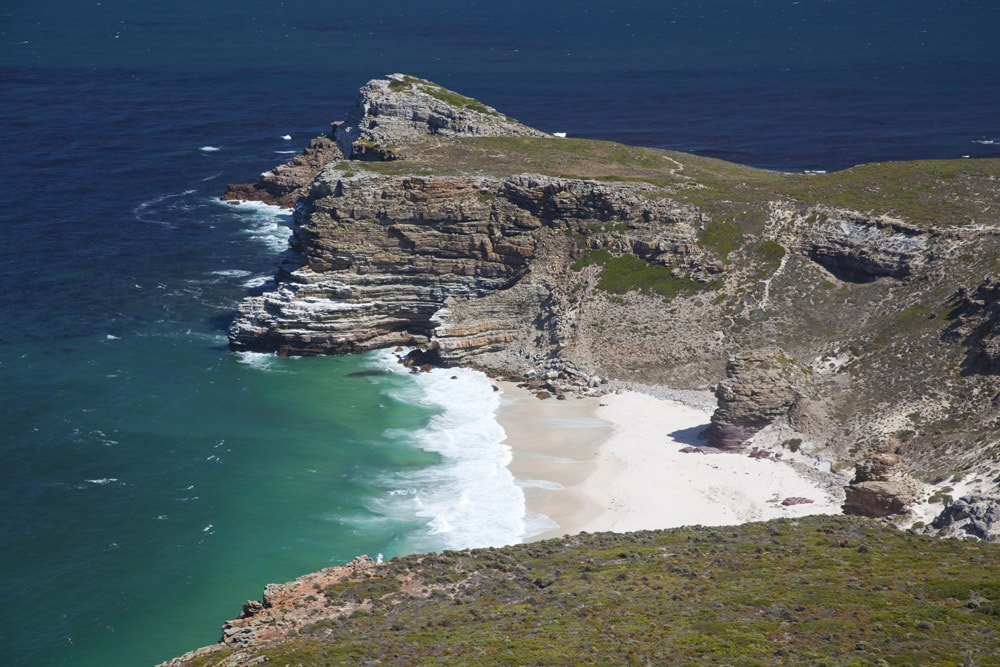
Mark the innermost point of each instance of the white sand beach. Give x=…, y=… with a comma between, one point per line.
x=614, y=464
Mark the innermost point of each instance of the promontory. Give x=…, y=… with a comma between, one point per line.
x=852, y=315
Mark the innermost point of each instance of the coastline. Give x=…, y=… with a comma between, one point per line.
x=613, y=463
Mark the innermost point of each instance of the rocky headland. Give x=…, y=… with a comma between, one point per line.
x=847, y=313
x=851, y=316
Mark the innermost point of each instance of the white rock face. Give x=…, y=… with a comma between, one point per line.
x=400, y=106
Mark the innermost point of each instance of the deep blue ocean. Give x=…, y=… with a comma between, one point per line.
x=151, y=481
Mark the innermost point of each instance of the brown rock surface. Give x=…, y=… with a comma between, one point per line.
x=881, y=487
x=284, y=184
x=760, y=387
x=287, y=607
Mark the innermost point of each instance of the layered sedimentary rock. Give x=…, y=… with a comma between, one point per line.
x=760, y=387
x=380, y=256
x=388, y=111
x=860, y=248
x=881, y=487
x=284, y=184
x=406, y=260
x=976, y=323
x=650, y=267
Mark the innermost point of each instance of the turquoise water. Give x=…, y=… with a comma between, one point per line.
x=151, y=480
x=154, y=480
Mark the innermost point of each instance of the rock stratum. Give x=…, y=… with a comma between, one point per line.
x=851, y=316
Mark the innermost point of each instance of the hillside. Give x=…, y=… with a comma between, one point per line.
x=820, y=591
x=452, y=228
x=851, y=315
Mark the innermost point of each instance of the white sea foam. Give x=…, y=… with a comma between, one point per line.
x=261, y=361
x=258, y=281
x=267, y=223
x=286, y=152
x=986, y=142
x=471, y=498
x=231, y=273
x=540, y=484
x=144, y=212
x=210, y=149
x=104, y=481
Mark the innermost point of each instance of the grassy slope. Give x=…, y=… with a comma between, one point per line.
x=783, y=592
x=939, y=192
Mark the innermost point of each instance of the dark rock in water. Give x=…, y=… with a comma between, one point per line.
x=367, y=374
x=284, y=184
x=424, y=360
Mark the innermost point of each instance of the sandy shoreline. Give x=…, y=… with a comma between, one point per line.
x=613, y=463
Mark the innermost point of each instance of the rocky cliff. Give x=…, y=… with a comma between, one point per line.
x=852, y=316
x=428, y=219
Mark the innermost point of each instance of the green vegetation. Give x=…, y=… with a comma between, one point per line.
x=627, y=273
x=942, y=192
x=771, y=252
x=441, y=93
x=783, y=592
x=722, y=237
x=793, y=444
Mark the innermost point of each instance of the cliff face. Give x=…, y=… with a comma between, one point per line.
x=447, y=261
x=483, y=242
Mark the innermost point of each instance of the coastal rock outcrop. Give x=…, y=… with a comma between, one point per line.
x=760, y=387
x=284, y=184
x=379, y=257
x=976, y=323
x=861, y=248
x=285, y=608
x=881, y=487
x=388, y=111
x=970, y=516
x=422, y=229
x=380, y=261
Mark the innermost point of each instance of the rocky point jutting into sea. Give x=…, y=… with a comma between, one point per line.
x=849, y=315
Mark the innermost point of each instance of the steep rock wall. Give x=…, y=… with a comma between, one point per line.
x=397, y=260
